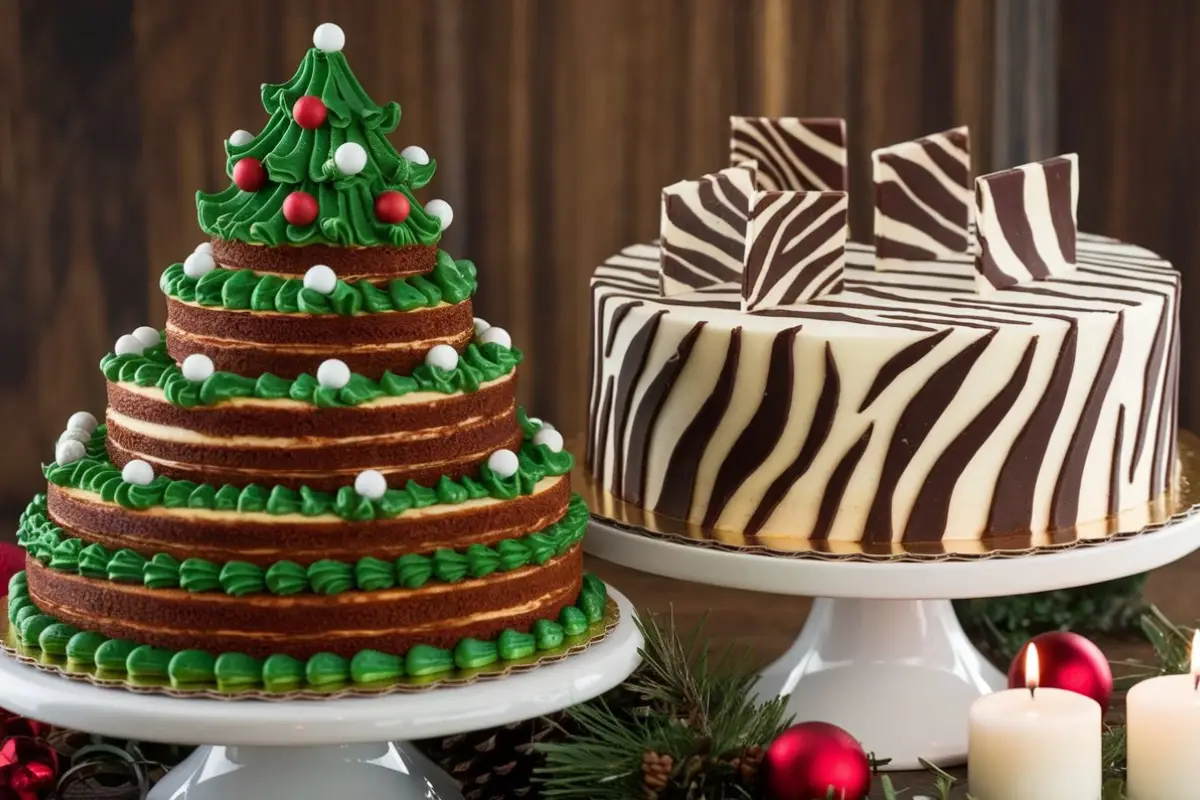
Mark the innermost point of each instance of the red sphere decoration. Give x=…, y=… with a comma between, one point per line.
x=1067, y=661
x=392, y=207
x=300, y=208
x=249, y=174
x=810, y=758
x=309, y=112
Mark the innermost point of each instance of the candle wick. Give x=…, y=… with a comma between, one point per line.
x=1196, y=682
x=1033, y=687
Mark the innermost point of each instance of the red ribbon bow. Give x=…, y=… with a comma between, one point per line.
x=28, y=767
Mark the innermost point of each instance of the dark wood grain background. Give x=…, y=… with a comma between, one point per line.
x=555, y=123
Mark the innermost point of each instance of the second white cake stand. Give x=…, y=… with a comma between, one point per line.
x=302, y=749
x=882, y=653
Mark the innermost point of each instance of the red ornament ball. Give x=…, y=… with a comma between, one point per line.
x=392, y=207
x=309, y=112
x=1067, y=661
x=810, y=758
x=249, y=174
x=300, y=208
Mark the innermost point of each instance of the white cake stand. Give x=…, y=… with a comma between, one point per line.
x=302, y=749
x=882, y=653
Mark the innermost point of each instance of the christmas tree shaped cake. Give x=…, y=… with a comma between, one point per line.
x=317, y=473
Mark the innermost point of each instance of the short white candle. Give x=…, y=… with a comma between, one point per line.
x=1034, y=743
x=1162, y=719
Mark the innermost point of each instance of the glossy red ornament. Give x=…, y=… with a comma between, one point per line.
x=392, y=207
x=28, y=768
x=1067, y=661
x=12, y=561
x=300, y=208
x=810, y=758
x=309, y=112
x=249, y=174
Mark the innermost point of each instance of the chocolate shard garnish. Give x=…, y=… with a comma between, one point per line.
x=1026, y=223
x=792, y=153
x=923, y=198
x=703, y=230
x=795, y=248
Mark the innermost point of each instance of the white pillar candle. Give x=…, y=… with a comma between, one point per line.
x=1162, y=726
x=1034, y=743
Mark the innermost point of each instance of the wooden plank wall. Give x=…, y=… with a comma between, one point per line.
x=555, y=123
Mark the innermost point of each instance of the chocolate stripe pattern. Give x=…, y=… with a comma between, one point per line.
x=795, y=248
x=703, y=230
x=1026, y=218
x=790, y=153
x=923, y=198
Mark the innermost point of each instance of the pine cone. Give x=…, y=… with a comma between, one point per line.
x=495, y=764
x=656, y=773
x=748, y=763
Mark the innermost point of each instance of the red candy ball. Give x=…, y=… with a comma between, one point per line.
x=300, y=208
x=392, y=207
x=309, y=112
x=1067, y=661
x=249, y=174
x=810, y=758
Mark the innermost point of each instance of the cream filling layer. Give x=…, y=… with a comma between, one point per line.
x=302, y=349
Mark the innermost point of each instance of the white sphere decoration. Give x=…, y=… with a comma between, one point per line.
x=138, y=472
x=83, y=421
x=504, y=463
x=442, y=356
x=329, y=38
x=333, y=374
x=549, y=437
x=128, y=345
x=350, y=158
x=370, y=484
x=442, y=210
x=148, y=336
x=204, y=247
x=69, y=452
x=75, y=435
x=496, y=335
x=320, y=278
x=241, y=138
x=198, y=264
x=546, y=426
x=415, y=154
x=481, y=325
x=198, y=367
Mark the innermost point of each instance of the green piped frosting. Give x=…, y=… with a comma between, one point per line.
x=192, y=666
x=450, y=281
x=297, y=159
x=477, y=365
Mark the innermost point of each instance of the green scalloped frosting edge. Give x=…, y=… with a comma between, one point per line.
x=46, y=542
x=96, y=474
x=280, y=672
x=450, y=281
x=477, y=365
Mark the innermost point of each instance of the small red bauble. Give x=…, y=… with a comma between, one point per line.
x=392, y=207
x=1067, y=661
x=309, y=112
x=300, y=208
x=249, y=174
x=809, y=759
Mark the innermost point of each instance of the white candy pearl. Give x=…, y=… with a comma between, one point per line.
x=75, y=435
x=504, y=463
x=69, y=452
x=198, y=367
x=350, y=158
x=481, y=325
x=138, y=472
x=320, y=278
x=549, y=437
x=333, y=374
x=147, y=336
x=415, y=154
x=198, y=264
x=370, y=484
x=82, y=420
x=442, y=210
x=497, y=335
x=329, y=38
x=240, y=138
x=204, y=247
x=442, y=356
x=127, y=345
x=546, y=426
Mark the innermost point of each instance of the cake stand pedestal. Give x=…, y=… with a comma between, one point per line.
x=882, y=653
x=300, y=749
